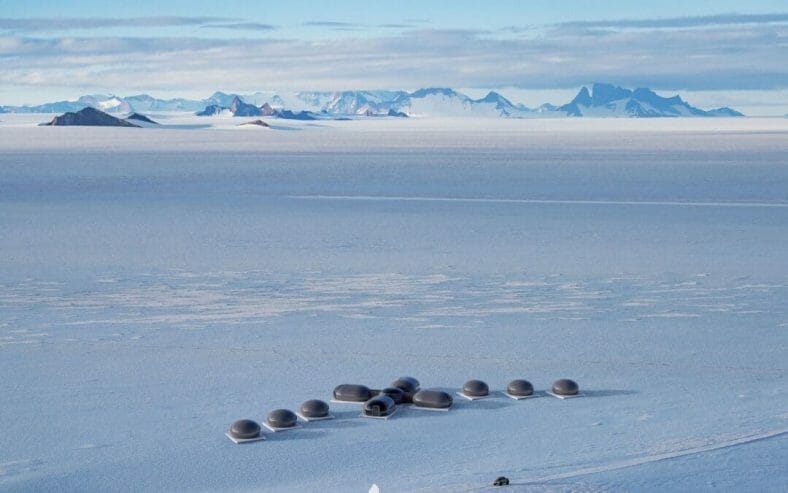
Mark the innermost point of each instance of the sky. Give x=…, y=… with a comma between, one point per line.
x=719, y=52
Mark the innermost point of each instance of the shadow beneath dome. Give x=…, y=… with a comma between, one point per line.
x=492, y=402
x=607, y=392
x=297, y=434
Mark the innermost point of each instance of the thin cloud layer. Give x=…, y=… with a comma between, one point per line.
x=80, y=23
x=241, y=26
x=736, y=55
x=679, y=22
x=329, y=24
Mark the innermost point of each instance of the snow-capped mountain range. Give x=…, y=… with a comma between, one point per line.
x=602, y=100
x=606, y=100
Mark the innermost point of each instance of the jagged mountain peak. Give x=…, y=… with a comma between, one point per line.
x=236, y=107
x=603, y=93
x=647, y=95
x=598, y=99
x=494, y=97
x=610, y=100
x=583, y=97
x=430, y=91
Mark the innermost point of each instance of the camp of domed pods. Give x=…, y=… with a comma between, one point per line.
x=384, y=403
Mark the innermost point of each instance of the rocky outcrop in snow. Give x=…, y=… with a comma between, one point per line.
x=89, y=117
x=136, y=117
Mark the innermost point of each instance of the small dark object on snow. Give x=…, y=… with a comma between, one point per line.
x=520, y=388
x=475, y=388
x=433, y=399
x=380, y=406
x=352, y=393
x=281, y=418
x=407, y=384
x=565, y=386
x=245, y=429
x=501, y=481
x=314, y=409
x=396, y=394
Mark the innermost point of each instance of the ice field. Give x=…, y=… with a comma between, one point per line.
x=158, y=284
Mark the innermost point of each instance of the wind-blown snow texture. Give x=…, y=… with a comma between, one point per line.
x=158, y=284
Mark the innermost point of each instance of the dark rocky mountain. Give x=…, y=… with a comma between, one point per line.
x=141, y=118
x=289, y=115
x=258, y=123
x=237, y=107
x=266, y=110
x=212, y=110
x=89, y=117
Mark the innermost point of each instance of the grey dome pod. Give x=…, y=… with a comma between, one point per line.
x=352, y=393
x=314, y=409
x=396, y=394
x=281, y=418
x=475, y=388
x=245, y=429
x=380, y=406
x=434, y=399
x=520, y=388
x=565, y=386
x=407, y=384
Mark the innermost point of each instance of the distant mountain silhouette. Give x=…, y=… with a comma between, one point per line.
x=237, y=107
x=289, y=115
x=89, y=117
x=600, y=100
x=609, y=100
x=141, y=118
x=257, y=123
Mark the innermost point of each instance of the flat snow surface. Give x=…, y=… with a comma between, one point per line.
x=158, y=284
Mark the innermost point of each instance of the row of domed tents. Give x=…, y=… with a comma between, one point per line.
x=383, y=403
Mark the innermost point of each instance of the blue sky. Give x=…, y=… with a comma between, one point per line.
x=736, y=52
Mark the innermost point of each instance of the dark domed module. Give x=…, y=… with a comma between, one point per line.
x=379, y=407
x=407, y=384
x=352, y=393
x=281, y=418
x=475, y=388
x=396, y=394
x=433, y=399
x=314, y=408
x=245, y=429
x=565, y=386
x=520, y=388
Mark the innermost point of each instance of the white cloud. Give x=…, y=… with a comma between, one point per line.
x=716, y=57
x=682, y=22
x=79, y=23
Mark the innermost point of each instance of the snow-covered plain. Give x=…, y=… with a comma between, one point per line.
x=157, y=284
